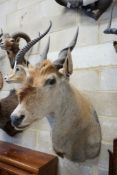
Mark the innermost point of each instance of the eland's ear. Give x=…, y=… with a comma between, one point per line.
x=68, y=65
x=63, y=53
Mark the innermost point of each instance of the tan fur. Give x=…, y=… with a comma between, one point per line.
x=17, y=75
x=21, y=75
x=76, y=132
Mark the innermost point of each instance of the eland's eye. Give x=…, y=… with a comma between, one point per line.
x=50, y=81
x=17, y=69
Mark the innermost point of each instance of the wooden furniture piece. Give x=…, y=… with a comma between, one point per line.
x=17, y=160
x=113, y=159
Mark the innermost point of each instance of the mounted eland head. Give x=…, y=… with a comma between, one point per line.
x=76, y=132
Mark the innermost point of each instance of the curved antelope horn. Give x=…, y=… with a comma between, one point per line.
x=26, y=48
x=45, y=51
x=63, y=53
x=21, y=35
x=110, y=30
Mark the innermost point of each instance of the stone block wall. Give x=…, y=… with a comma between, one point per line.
x=95, y=70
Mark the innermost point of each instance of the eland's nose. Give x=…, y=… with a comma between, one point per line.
x=16, y=120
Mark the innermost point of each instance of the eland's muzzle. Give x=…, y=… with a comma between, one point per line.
x=16, y=120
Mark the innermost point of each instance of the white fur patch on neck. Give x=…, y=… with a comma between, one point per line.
x=87, y=2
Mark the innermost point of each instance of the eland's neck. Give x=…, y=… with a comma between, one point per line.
x=72, y=108
x=69, y=103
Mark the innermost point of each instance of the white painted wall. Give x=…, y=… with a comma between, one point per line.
x=95, y=70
